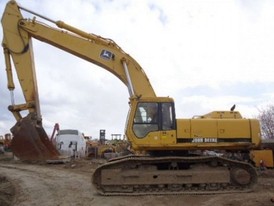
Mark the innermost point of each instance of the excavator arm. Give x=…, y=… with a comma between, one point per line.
x=17, y=45
x=103, y=52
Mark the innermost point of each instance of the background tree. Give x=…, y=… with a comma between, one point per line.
x=266, y=117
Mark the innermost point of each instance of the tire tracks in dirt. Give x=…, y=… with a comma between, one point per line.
x=39, y=185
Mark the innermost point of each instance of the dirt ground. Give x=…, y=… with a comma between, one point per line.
x=25, y=184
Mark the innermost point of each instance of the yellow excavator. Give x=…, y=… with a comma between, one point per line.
x=202, y=155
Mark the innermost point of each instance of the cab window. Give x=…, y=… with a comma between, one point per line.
x=146, y=119
x=151, y=116
x=168, y=121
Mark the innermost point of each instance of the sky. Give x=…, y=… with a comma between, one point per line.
x=207, y=55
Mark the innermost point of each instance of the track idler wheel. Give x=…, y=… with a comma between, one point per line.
x=241, y=176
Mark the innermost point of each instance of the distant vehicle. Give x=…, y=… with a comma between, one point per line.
x=71, y=142
x=5, y=143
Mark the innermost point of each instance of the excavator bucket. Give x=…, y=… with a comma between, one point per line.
x=30, y=141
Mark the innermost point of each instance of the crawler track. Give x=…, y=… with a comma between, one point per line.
x=137, y=175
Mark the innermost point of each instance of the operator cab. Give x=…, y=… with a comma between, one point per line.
x=153, y=116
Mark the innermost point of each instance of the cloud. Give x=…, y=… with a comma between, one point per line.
x=207, y=55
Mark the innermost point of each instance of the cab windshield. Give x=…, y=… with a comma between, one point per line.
x=151, y=116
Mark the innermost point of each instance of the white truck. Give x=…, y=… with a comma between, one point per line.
x=71, y=142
